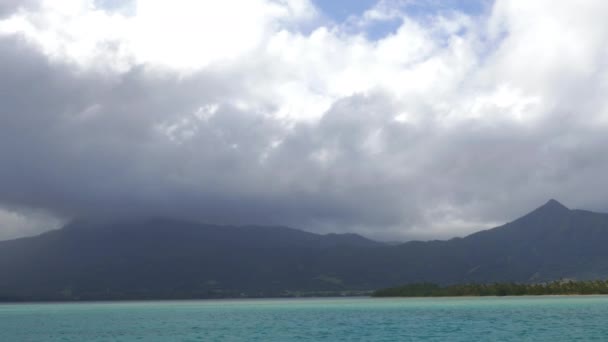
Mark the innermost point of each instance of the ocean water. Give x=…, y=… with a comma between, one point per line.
x=359, y=319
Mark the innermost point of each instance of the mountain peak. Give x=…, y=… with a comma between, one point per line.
x=552, y=208
x=554, y=205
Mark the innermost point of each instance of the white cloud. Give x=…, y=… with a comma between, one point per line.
x=15, y=224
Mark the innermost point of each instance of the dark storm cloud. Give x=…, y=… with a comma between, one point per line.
x=84, y=145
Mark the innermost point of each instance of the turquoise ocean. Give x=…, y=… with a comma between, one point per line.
x=573, y=318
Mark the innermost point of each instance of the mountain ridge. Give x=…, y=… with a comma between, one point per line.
x=163, y=258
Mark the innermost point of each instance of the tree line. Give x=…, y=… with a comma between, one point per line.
x=560, y=287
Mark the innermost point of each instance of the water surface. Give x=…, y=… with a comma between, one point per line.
x=568, y=318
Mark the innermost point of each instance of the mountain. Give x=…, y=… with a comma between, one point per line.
x=167, y=259
x=163, y=258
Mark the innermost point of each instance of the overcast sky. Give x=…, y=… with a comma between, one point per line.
x=395, y=119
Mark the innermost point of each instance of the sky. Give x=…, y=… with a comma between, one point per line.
x=397, y=119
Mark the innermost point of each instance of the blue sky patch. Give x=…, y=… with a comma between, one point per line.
x=339, y=11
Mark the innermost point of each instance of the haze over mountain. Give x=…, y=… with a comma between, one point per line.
x=175, y=259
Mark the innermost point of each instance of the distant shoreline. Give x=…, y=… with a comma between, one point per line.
x=229, y=299
x=136, y=301
x=415, y=290
x=305, y=295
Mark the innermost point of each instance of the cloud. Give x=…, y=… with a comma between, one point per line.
x=19, y=223
x=266, y=115
x=8, y=7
